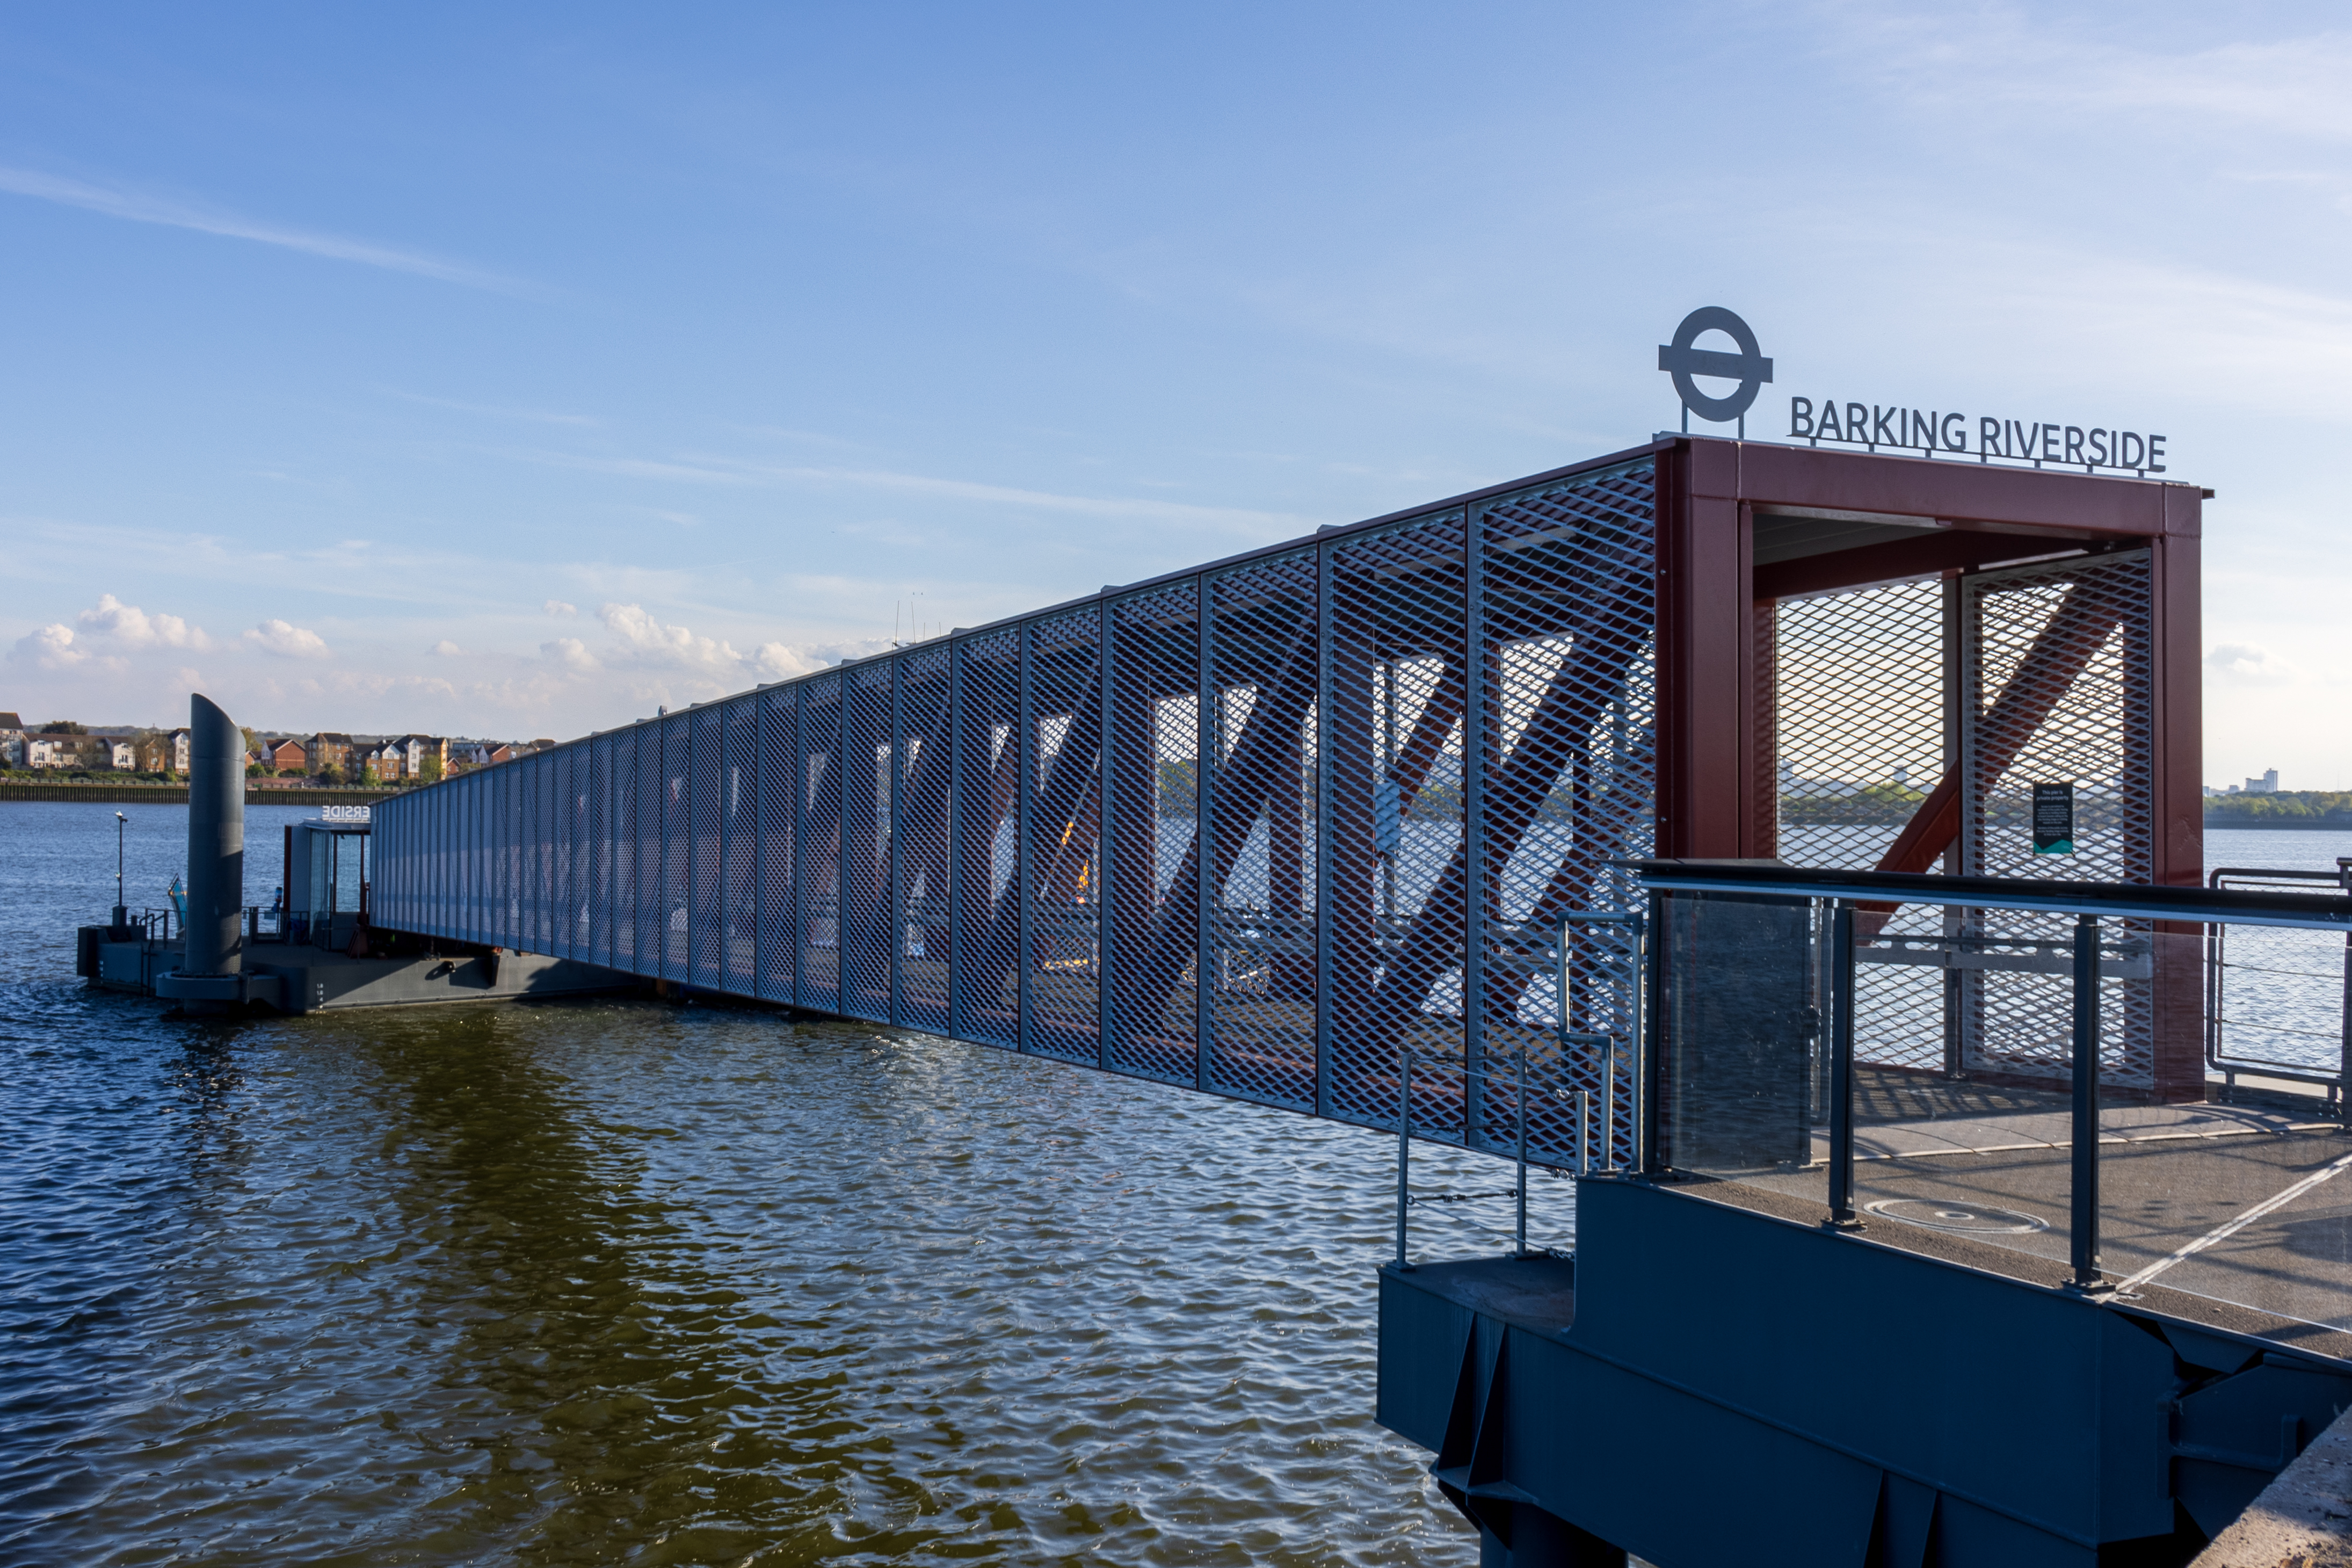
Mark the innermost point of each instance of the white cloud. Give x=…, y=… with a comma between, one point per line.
x=558, y=608
x=446, y=649
x=571, y=653
x=52, y=647
x=646, y=641
x=287, y=640
x=137, y=207
x=135, y=628
x=2243, y=664
x=775, y=661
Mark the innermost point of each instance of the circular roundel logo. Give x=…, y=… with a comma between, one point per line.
x=1749, y=368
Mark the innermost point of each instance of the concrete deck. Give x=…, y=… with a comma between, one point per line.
x=2239, y=1217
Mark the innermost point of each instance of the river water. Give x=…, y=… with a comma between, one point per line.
x=624, y=1282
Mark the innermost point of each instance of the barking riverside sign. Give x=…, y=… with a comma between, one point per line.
x=1933, y=432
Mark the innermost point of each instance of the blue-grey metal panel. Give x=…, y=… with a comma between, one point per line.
x=600, y=850
x=988, y=891
x=1260, y=966
x=738, y=931
x=676, y=845
x=1065, y=739
x=1151, y=1014
x=820, y=840
x=925, y=937
x=649, y=890
x=780, y=773
x=706, y=788
x=867, y=765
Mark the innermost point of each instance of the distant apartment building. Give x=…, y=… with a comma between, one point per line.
x=12, y=741
x=161, y=750
x=280, y=753
x=69, y=752
x=327, y=749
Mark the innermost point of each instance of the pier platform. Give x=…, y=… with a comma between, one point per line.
x=292, y=977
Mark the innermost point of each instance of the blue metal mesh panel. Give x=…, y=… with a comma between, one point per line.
x=1064, y=801
x=477, y=856
x=648, y=898
x=678, y=844
x=572, y=930
x=1400, y=623
x=1569, y=772
x=1262, y=968
x=988, y=897
x=926, y=775
x=738, y=932
x=545, y=808
x=1152, y=883
x=622, y=939
x=600, y=836
x=820, y=944
x=865, y=915
x=706, y=790
x=780, y=776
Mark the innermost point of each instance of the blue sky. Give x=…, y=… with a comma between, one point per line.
x=509, y=371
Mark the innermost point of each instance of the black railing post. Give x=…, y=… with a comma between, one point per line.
x=1841, y=977
x=2086, y=1217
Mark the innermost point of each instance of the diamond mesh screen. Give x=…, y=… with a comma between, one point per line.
x=1565, y=790
x=706, y=792
x=1260, y=831
x=2057, y=679
x=1400, y=632
x=1063, y=801
x=738, y=837
x=865, y=843
x=1262, y=992
x=988, y=890
x=926, y=777
x=1151, y=935
x=778, y=895
x=1862, y=677
x=820, y=868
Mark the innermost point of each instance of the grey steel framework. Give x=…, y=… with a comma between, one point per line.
x=1429, y=740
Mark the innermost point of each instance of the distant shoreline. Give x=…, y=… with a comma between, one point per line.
x=177, y=795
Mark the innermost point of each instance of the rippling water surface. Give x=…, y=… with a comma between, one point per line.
x=626, y=1282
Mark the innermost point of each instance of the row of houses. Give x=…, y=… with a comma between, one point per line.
x=352, y=758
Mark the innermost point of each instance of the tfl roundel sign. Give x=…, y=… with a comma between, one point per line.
x=1749, y=368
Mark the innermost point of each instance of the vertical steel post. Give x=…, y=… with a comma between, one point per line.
x=1105, y=930
x=1520, y=1060
x=1648, y=982
x=1404, y=1151
x=2344, y=1051
x=1326, y=739
x=1209, y=745
x=1023, y=796
x=1840, y=978
x=2084, y=1238
x=1478, y=880
x=895, y=896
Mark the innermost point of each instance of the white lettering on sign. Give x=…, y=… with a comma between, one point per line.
x=346, y=813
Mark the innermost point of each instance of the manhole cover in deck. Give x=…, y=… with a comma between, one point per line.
x=1967, y=1219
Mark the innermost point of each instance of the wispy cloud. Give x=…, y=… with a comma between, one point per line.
x=136, y=206
x=719, y=471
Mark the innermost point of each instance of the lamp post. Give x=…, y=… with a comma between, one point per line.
x=121, y=915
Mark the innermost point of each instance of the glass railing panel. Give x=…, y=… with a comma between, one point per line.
x=2244, y=1204
x=1741, y=1033
x=1962, y=1115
